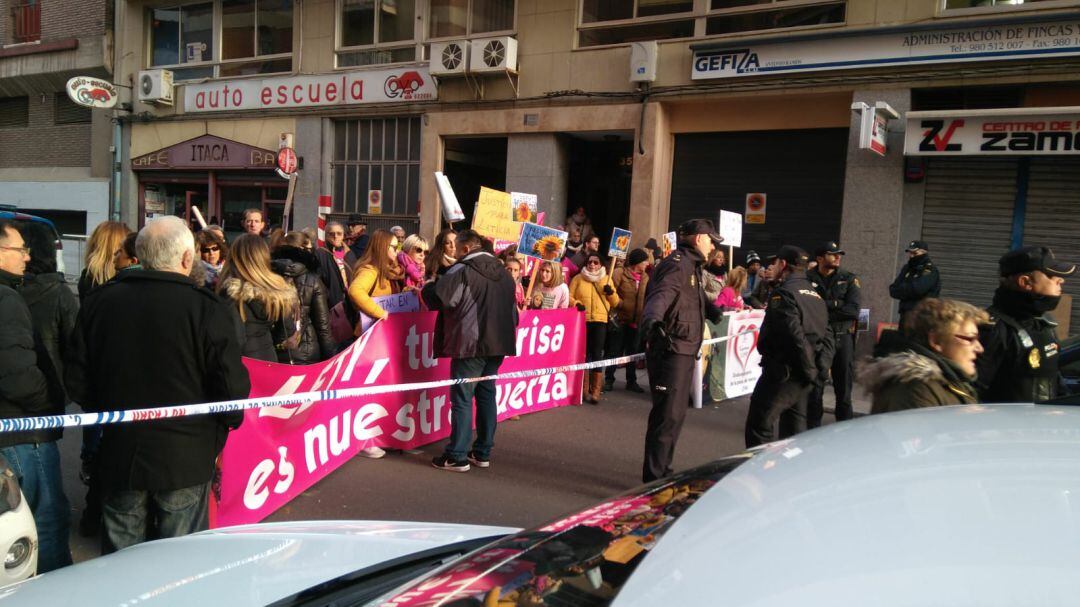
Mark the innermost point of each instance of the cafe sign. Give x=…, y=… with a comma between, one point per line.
x=207, y=152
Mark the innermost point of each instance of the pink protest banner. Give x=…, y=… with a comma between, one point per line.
x=279, y=452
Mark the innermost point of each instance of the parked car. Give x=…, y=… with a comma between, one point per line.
x=969, y=505
x=10, y=213
x=18, y=534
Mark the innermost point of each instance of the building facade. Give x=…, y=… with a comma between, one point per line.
x=642, y=112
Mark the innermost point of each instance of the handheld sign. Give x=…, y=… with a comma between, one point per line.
x=731, y=228
x=524, y=207
x=492, y=216
x=668, y=244
x=620, y=243
x=541, y=242
x=451, y=209
x=398, y=302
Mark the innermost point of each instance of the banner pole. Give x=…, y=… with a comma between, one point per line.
x=730, y=258
x=532, y=281
x=611, y=270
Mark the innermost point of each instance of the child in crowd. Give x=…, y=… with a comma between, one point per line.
x=551, y=293
x=513, y=265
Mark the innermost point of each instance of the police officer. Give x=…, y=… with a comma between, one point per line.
x=840, y=289
x=673, y=325
x=918, y=279
x=790, y=342
x=1020, y=361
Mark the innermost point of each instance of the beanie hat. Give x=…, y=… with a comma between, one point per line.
x=636, y=256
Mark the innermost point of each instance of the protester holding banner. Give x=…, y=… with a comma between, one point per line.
x=411, y=259
x=264, y=302
x=212, y=253
x=443, y=254
x=591, y=290
x=295, y=261
x=630, y=283
x=377, y=274
x=476, y=328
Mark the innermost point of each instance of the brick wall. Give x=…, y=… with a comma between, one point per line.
x=63, y=19
x=44, y=144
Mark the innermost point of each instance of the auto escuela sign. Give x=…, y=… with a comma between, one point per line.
x=908, y=46
x=346, y=88
x=1011, y=132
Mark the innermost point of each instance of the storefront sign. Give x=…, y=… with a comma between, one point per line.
x=207, y=152
x=874, y=125
x=91, y=92
x=988, y=42
x=1010, y=132
x=347, y=88
x=755, y=207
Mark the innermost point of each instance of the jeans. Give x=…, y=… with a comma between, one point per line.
x=461, y=407
x=128, y=513
x=37, y=466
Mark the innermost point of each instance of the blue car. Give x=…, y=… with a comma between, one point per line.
x=10, y=213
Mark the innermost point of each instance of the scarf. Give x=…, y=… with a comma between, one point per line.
x=635, y=276
x=597, y=276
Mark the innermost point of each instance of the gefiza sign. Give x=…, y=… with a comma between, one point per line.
x=345, y=88
x=1006, y=133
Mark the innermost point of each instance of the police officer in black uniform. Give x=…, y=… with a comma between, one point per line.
x=918, y=279
x=1020, y=358
x=673, y=327
x=840, y=289
x=790, y=343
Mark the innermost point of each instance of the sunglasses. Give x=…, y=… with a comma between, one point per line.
x=593, y=262
x=210, y=249
x=419, y=250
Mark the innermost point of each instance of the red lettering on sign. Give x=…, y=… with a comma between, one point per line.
x=282, y=94
x=296, y=90
x=331, y=91
x=200, y=100
x=265, y=95
x=940, y=142
x=357, y=90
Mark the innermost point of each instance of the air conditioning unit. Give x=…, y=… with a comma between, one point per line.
x=156, y=86
x=493, y=55
x=449, y=58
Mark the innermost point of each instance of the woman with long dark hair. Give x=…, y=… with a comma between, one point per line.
x=266, y=305
x=443, y=254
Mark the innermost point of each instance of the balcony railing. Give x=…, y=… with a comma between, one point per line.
x=26, y=21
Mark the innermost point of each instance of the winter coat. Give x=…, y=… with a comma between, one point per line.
x=153, y=339
x=23, y=386
x=713, y=283
x=334, y=276
x=53, y=308
x=366, y=285
x=631, y=296
x=591, y=295
x=258, y=334
x=475, y=302
x=914, y=378
x=298, y=267
x=676, y=301
x=917, y=280
x=728, y=300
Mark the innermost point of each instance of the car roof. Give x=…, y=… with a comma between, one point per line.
x=971, y=505
x=14, y=215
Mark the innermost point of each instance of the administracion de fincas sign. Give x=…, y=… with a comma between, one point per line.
x=404, y=85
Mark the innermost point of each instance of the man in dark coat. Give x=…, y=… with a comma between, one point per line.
x=476, y=328
x=26, y=392
x=842, y=294
x=918, y=279
x=336, y=264
x=673, y=324
x=791, y=338
x=153, y=339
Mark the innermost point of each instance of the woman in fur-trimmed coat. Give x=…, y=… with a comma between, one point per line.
x=266, y=306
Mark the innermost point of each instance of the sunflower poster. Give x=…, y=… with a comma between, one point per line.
x=620, y=243
x=541, y=242
x=668, y=244
x=523, y=207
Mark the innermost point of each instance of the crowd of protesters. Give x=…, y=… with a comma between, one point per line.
x=282, y=296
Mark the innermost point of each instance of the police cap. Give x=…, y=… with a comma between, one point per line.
x=694, y=227
x=916, y=245
x=1030, y=259
x=827, y=248
x=793, y=255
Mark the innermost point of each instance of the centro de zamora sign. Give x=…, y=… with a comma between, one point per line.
x=346, y=88
x=1019, y=132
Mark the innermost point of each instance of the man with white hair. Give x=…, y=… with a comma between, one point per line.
x=151, y=339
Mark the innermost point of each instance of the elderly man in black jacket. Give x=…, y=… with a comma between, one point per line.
x=25, y=392
x=476, y=328
x=152, y=339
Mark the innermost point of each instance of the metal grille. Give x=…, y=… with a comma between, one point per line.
x=14, y=112
x=1053, y=212
x=66, y=111
x=377, y=154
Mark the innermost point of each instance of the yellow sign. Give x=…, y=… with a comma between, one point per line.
x=492, y=216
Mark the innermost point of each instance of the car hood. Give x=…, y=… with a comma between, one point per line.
x=245, y=565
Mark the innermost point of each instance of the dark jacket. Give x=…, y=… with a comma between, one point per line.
x=53, y=308
x=841, y=292
x=152, y=339
x=330, y=274
x=1020, y=359
x=914, y=378
x=675, y=300
x=298, y=267
x=23, y=387
x=259, y=336
x=794, y=328
x=478, y=315
x=918, y=280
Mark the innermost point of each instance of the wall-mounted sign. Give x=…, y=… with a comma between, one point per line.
x=755, y=207
x=91, y=92
x=895, y=46
x=345, y=88
x=874, y=125
x=207, y=152
x=1008, y=132
x=287, y=161
x=374, y=202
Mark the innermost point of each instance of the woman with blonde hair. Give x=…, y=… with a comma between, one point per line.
x=550, y=292
x=411, y=259
x=265, y=303
x=377, y=274
x=730, y=297
x=98, y=268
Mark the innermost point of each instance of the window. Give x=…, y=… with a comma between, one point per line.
x=25, y=21
x=246, y=37
x=463, y=18
x=1004, y=4
x=377, y=31
x=66, y=111
x=769, y=18
x=377, y=154
x=14, y=112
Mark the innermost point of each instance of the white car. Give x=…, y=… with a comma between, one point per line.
x=973, y=505
x=18, y=534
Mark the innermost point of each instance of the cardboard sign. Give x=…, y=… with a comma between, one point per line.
x=620, y=243
x=743, y=367
x=755, y=207
x=541, y=242
x=668, y=243
x=374, y=202
x=492, y=216
x=863, y=324
x=523, y=207
x=450, y=207
x=398, y=302
x=731, y=228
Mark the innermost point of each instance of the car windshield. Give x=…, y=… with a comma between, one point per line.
x=581, y=559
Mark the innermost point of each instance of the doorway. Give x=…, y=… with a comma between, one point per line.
x=471, y=162
x=601, y=171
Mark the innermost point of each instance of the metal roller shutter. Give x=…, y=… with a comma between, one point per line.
x=802, y=172
x=1053, y=214
x=967, y=222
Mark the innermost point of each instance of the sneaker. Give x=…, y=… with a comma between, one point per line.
x=634, y=388
x=479, y=462
x=443, y=462
x=373, y=452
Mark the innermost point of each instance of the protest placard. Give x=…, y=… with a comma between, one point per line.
x=730, y=229
x=620, y=243
x=668, y=244
x=523, y=207
x=398, y=302
x=451, y=209
x=541, y=242
x=492, y=217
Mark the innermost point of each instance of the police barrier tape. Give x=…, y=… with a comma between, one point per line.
x=71, y=420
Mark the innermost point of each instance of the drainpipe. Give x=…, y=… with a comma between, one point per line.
x=114, y=211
